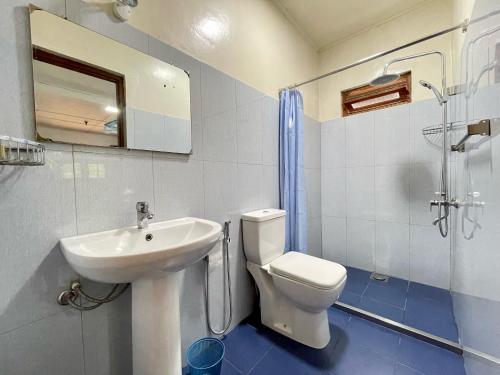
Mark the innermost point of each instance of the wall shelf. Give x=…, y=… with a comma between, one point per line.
x=21, y=152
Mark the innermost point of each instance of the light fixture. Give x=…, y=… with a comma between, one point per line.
x=212, y=29
x=123, y=8
x=111, y=109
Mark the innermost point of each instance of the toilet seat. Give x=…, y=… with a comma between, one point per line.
x=308, y=270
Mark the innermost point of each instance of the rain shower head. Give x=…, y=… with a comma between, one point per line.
x=384, y=79
x=436, y=92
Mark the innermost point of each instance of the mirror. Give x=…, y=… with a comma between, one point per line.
x=92, y=90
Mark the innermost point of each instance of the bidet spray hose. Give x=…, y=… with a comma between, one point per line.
x=225, y=255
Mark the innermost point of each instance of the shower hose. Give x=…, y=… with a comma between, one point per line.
x=225, y=255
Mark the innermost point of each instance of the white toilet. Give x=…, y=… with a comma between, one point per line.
x=295, y=289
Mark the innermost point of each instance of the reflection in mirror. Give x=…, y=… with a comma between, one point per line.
x=76, y=102
x=92, y=90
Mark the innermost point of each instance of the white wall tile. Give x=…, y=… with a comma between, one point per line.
x=148, y=130
x=392, y=248
x=246, y=94
x=361, y=243
x=270, y=131
x=176, y=135
x=270, y=186
x=333, y=192
x=392, y=135
x=38, y=207
x=36, y=349
x=218, y=92
x=220, y=181
x=314, y=237
x=360, y=139
x=425, y=114
x=313, y=192
x=392, y=193
x=108, y=186
x=333, y=144
x=219, y=137
x=107, y=336
x=425, y=181
x=249, y=132
x=178, y=187
x=334, y=239
x=312, y=143
x=429, y=257
x=249, y=187
x=361, y=192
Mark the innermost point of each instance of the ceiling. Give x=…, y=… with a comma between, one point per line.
x=325, y=22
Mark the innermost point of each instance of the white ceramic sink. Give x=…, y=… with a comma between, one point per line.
x=125, y=255
x=151, y=260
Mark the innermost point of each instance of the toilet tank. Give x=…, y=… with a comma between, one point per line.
x=263, y=235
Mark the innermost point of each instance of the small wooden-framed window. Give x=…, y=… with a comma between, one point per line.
x=368, y=98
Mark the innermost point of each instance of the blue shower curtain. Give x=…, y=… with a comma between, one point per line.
x=292, y=191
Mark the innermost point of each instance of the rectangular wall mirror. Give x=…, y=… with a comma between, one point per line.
x=92, y=90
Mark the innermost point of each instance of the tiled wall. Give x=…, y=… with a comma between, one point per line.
x=378, y=174
x=312, y=175
x=234, y=168
x=157, y=132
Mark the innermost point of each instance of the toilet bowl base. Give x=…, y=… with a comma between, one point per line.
x=311, y=329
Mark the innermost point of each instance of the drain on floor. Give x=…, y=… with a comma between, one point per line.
x=379, y=277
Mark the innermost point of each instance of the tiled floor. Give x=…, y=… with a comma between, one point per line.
x=357, y=347
x=420, y=306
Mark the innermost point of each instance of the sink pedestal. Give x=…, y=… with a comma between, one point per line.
x=156, y=333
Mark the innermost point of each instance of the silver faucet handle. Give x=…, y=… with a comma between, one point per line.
x=142, y=207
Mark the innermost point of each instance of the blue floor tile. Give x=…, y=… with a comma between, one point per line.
x=383, y=309
x=245, y=345
x=428, y=358
x=401, y=369
x=392, y=292
x=351, y=359
x=338, y=317
x=358, y=346
x=431, y=316
x=227, y=369
x=281, y=361
x=350, y=298
x=426, y=291
x=357, y=280
x=362, y=332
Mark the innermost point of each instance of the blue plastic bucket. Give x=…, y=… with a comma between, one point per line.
x=204, y=357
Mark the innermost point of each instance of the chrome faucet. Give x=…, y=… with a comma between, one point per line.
x=143, y=215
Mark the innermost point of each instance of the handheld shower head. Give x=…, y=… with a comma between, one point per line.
x=441, y=99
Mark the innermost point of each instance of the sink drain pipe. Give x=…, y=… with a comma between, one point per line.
x=225, y=255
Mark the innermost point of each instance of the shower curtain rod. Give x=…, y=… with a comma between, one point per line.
x=463, y=25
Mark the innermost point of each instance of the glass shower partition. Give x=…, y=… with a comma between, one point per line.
x=475, y=283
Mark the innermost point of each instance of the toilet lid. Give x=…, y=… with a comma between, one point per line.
x=316, y=272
